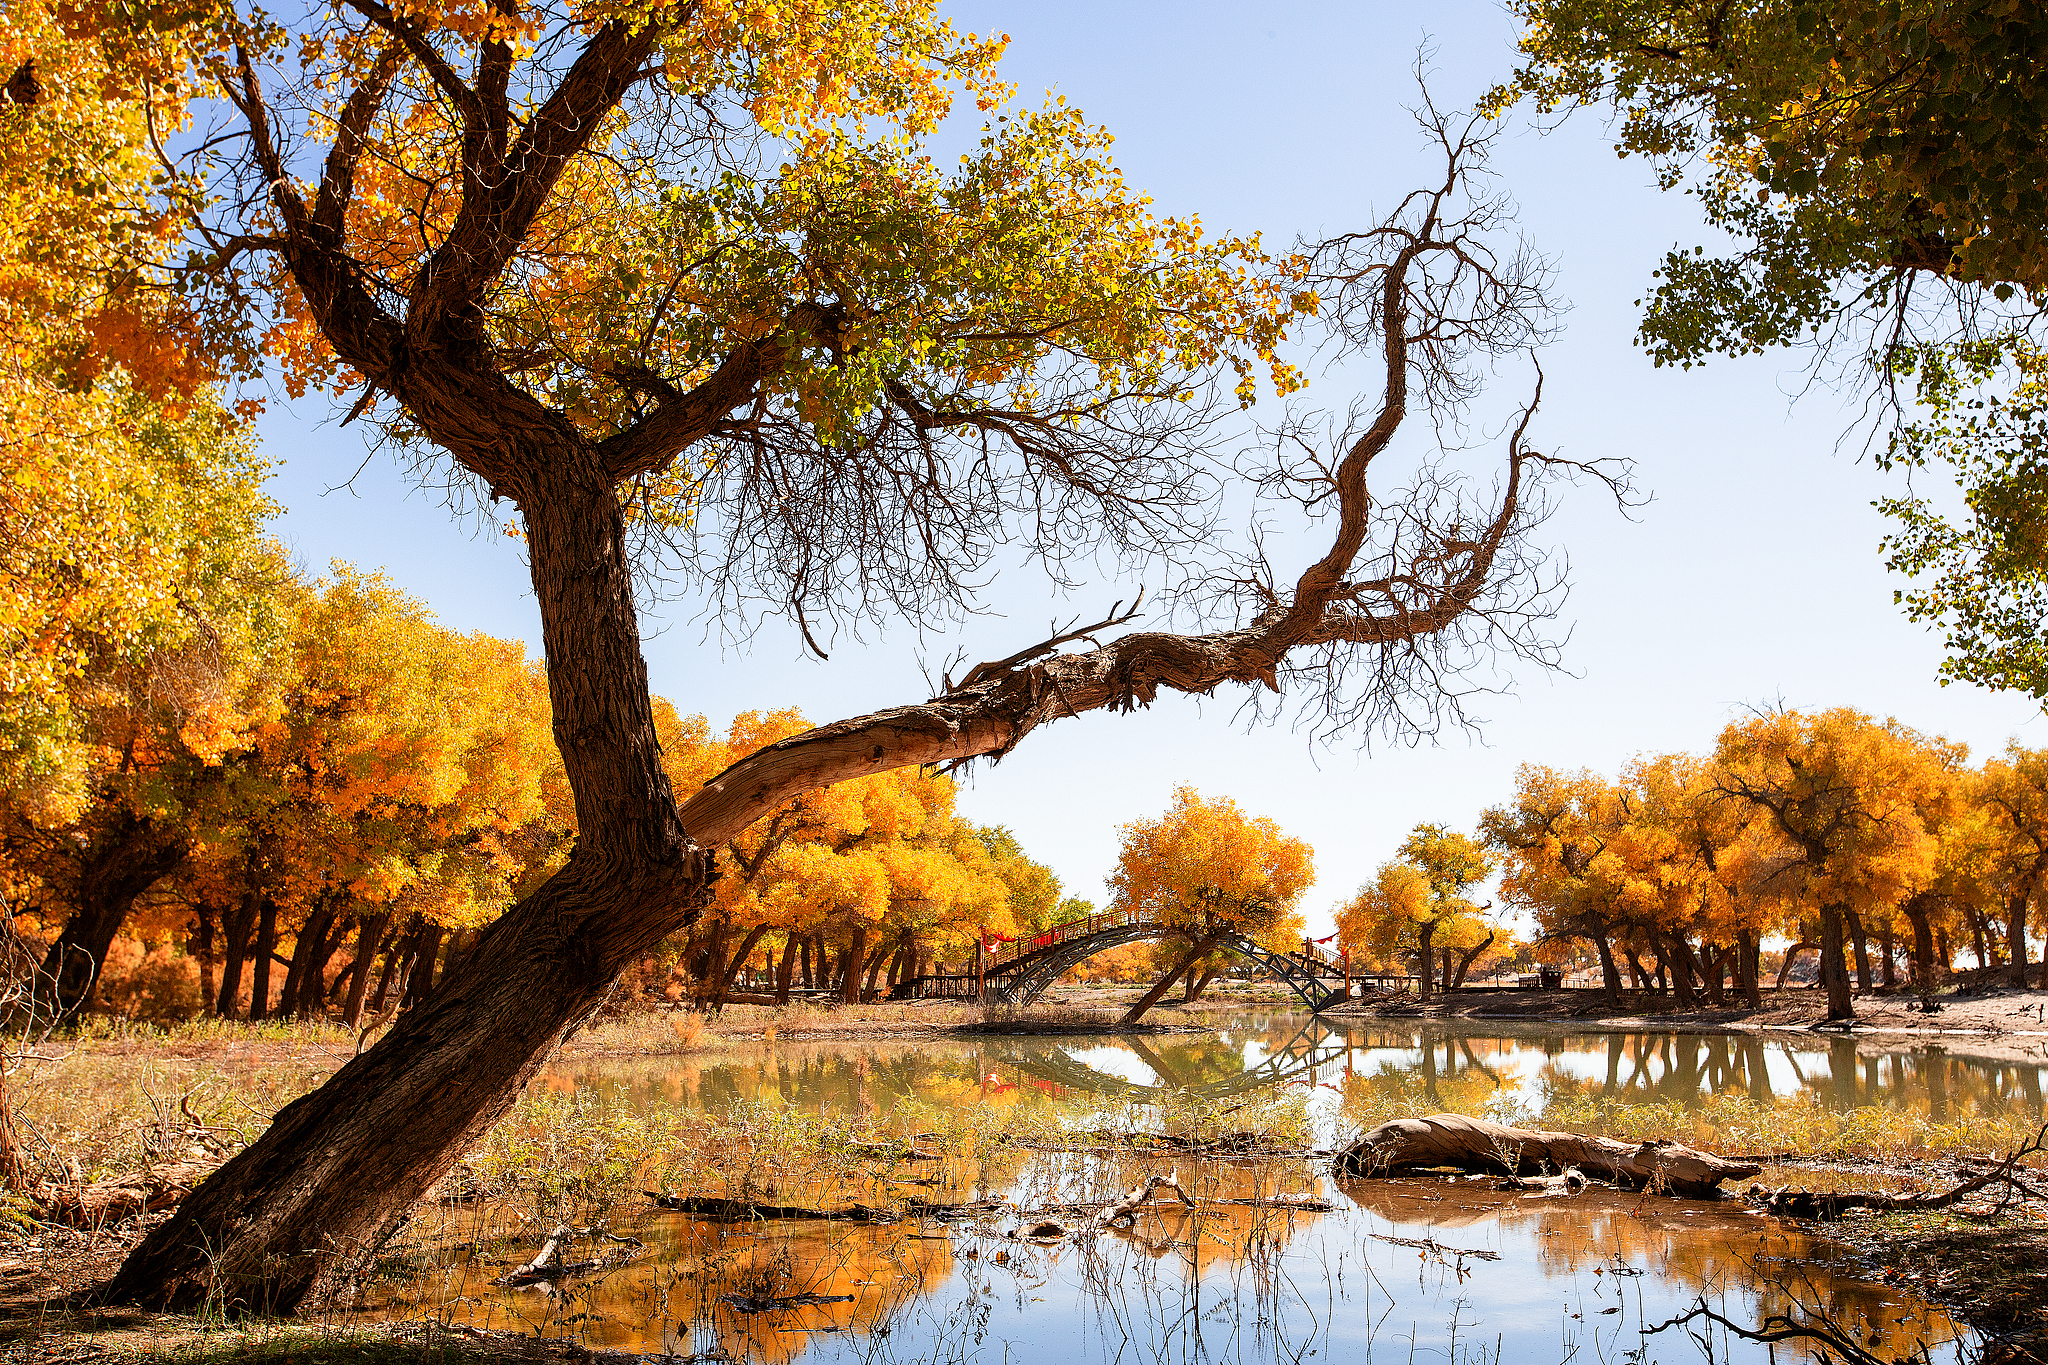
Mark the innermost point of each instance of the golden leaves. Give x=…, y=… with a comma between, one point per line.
x=1205, y=862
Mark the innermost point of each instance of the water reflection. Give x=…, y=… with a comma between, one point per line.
x=1399, y=1270
x=1450, y=1069
x=1690, y=1069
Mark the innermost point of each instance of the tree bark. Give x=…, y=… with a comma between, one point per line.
x=1610, y=973
x=711, y=971
x=1888, y=944
x=235, y=930
x=308, y=960
x=419, y=980
x=117, y=866
x=739, y=960
x=395, y=953
x=13, y=1166
x=1925, y=977
x=1165, y=983
x=312, y=998
x=851, y=963
x=203, y=941
x=1834, y=974
x=266, y=949
x=1859, y=940
x=1674, y=958
x=1791, y=956
x=1643, y=980
x=786, y=968
x=2016, y=933
x=1424, y=932
x=1465, y=962
x=1749, y=949
x=369, y=937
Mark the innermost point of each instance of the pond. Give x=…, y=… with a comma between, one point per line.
x=1275, y=1259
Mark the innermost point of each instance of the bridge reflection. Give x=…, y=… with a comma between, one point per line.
x=1204, y=1067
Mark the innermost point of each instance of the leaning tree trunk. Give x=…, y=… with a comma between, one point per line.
x=1165, y=983
x=1610, y=971
x=304, y=1206
x=300, y=1210
x=118, y=865
x=1465, y=961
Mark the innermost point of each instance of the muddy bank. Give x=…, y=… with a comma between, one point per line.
x=1990, y=1273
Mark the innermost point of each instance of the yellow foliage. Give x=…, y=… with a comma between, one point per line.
x=1206, y=864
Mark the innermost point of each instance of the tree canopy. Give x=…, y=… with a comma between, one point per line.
x=1882, y=169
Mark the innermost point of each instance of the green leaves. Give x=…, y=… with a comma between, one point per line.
x=1980, y=577
x=1883, y=136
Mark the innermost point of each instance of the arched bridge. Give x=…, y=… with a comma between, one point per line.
x=1024, y=969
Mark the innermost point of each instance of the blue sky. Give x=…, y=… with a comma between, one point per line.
x=1752, y=577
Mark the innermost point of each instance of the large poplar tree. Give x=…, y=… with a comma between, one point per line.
x=684, y=279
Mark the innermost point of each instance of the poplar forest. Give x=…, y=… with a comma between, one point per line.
x=715, y=964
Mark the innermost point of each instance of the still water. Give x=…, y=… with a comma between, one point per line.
x=1389, y=1270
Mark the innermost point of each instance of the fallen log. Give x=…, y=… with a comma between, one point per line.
x=546, y=1263
x=106, y=1202
x=1479, y=1146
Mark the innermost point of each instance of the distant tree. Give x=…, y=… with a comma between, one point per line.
x=2013, y=793
x=1555, y=839
x=1419, y=903
x=1211, y=871
x=1843, y=792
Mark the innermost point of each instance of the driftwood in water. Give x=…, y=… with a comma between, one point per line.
x=2007, y=1177
x=1124, y=1210
x=547, y=1263
x=1469, y=1144
x=1573, y=1181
